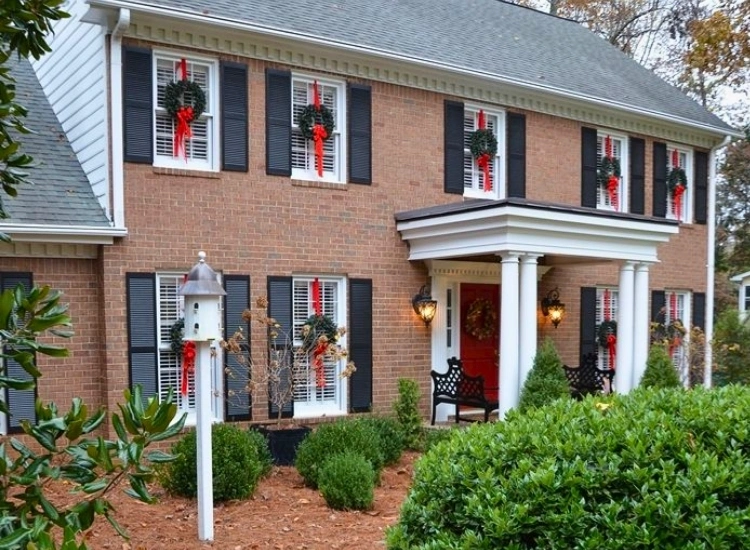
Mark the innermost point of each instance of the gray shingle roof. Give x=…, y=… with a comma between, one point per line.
x=60, y=194
x=488, y=36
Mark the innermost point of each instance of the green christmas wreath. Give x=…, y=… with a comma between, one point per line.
x=319, y=325
x=676, y=177
x=483, y=142
x=606, y=328
x=176, y=93
x=176, y=333
x=606, y=168
x=311, y=115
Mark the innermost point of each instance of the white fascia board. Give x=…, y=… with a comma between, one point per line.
x=70, y=234
x=739, y=278
x=297, y=37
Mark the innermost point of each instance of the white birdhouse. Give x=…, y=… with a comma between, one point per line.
x=202, y=313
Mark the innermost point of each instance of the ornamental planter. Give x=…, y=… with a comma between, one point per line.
x=283, y=442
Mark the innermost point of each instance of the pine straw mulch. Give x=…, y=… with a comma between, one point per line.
x=283, y=514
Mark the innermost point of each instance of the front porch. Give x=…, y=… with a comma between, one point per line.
x=516, y=245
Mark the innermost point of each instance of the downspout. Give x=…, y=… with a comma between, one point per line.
x=711, y=265
x=115, y=102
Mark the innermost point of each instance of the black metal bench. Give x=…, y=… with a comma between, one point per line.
x=455, y=387
x=588, y=378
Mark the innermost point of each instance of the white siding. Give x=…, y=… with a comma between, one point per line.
x=74, y=77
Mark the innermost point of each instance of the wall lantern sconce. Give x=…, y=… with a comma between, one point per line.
x=424, y=305
x=552, y=307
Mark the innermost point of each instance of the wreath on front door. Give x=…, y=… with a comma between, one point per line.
x=481, y=319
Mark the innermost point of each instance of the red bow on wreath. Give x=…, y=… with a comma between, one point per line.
x=319, y=133
x=188, y=364
x=318, y=354
x=611, y=348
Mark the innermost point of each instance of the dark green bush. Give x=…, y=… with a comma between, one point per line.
x=433, y=436
x=546, y=381
x=337, y=437
x=731, y=346
x=657, y=469
x=263, y=453
x=660, y=371
x=392, y=440
x=406, y=408
x=236, y=465
x=347, y=482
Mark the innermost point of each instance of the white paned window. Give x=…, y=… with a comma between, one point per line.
x=606, y=310
x=332, y=95
x=474, y=177
x=677, y=309
x=679, y=209
x=311, y=398
x=200, y=150
x=618, y=199
x=170, y=307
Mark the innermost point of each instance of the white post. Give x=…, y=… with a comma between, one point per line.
x=203, y=442
x=625, y=317
x=641, y=324
x=508, y=334
x=527, y=325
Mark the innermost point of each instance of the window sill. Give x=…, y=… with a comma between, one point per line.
x=320, y=184
x=186, y=172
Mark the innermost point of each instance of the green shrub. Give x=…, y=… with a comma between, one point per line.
x=546, y=381
x=392, y=440
x=655, y=469
x=337, y=437
x=236, y=465
x=731, y=347
x=347, y=482
x=660, y=371
x=262, y=452
x=433, y=436
x=406, y=408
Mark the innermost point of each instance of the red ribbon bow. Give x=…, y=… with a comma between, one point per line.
x=318, y=354
x=678, y=192
x=612, y=349
x=185, y=116
x=319, y=136
x=188, y=364
x=613, y=186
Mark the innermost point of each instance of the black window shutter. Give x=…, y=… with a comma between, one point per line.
x=588, y=321
x=20, y=402
x=637, y=175
x=280, y=309
x=660, y=179
x=138, y=108
x=454, y=147
x=360, y=343
x=278, y=122
x=658, y=305
x=360, y=134
x=236, y=373
x=234, y=108
x=699, y=310
x=142, y=343
x=588, y=167
x=701, y=187
x=516, y=155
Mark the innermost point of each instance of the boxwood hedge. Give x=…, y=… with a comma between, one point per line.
x=664, y=469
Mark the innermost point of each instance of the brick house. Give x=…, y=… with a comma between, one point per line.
x=399, y=201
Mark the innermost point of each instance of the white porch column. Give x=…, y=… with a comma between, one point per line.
x=625, y=336
x=641, y=323
x=527, y=317
x=508, y=375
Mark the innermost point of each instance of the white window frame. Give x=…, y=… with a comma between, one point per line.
x=603, y=354
x=314, y=406
x=166, y=358
x=211, y=114
x=476, y=190
x=623, y=197
x=680, y=358
x=338, y=140
x=687, y=197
